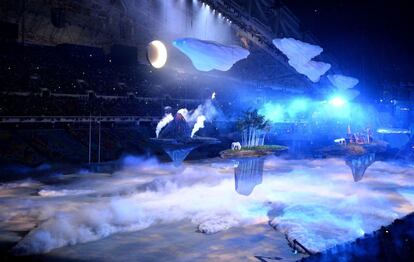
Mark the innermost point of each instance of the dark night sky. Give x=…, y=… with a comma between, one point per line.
x=372, y=40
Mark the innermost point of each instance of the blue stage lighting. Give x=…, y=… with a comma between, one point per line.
x=296, y=107
x=272, y=112
x=299, y=104
x=337, y=101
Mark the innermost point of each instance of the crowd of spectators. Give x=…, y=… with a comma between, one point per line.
x=71, y=69
x=30, y=68
x=36, y=105
x=74, y=80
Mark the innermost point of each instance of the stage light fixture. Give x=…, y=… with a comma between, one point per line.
x=157, y=54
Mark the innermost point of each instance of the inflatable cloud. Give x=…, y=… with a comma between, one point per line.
x=209, y=55
x=300, y=56
x=296, y=50
x=343, y=82
x=350, y=94
x=345, y=85
x=312, y=69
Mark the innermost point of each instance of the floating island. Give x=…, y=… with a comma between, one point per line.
x=195, y=141
x=359, y=164
x=256, y=151
x=354, y=149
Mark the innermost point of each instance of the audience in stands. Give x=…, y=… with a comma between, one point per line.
x=43, y=81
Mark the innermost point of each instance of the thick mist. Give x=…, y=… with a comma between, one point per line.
x=316, y=202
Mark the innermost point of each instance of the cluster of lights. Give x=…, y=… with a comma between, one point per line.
x=219, y=14
x=391, y=101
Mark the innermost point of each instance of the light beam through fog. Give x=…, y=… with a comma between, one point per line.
x=145, y=193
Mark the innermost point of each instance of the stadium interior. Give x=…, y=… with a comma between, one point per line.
x=206, y=130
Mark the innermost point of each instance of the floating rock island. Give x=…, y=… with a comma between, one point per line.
x=248, y=172
x=353, y=149
x=257, y=151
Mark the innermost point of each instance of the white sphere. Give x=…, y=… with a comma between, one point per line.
x=157, y=54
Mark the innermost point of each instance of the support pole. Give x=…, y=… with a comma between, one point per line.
x=90, y=138
x=23, y=21
x=99, y=142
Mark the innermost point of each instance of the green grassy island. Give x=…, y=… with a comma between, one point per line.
x=255, y=151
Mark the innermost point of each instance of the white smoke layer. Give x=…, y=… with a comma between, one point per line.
x=216, y=224
x=208, y=110
x=164, y=121
x=314, y=201
x=63, y=192
x=196, y=118
x=198, y=125
x=300, y=55
x=184, y=113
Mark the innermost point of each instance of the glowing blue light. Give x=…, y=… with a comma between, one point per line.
x=337, y=101
x=272, y=112
x=299, y=104
x=393, y=131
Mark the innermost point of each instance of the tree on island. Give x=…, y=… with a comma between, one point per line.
x=253, y=128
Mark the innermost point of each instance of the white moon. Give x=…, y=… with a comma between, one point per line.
x=157, y=54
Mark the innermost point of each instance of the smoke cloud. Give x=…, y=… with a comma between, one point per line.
x=199, y=124
x=164, y=121
x=196, y=118
x=145, y=193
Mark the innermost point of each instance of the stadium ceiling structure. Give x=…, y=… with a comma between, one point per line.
x=100, y=23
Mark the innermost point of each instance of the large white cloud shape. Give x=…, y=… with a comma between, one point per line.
x=300, y=55
x=297, y=51
x=343, y=82
x=209, y=55
x=312, y=69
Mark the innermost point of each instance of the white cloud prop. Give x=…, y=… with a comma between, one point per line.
x=343, y=82
x=300, y=55
x=350, y=94
x=297, y=51
x=312, y=69
x=209, y=55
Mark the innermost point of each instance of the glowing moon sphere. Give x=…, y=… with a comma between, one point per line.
x=157, y=54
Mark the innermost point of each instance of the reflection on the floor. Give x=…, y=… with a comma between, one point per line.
x=248, y=174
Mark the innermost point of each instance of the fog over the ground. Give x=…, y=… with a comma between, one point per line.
x=314, y=201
